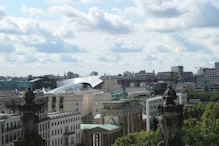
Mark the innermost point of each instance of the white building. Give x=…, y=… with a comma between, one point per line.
x=128, y=74
x=10, y=129
x=64, y=128
x=210, y=76
x=153, y=103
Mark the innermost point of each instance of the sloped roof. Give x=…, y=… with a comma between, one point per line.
x=92, y=80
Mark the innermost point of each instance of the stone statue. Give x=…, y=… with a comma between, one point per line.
x=29, y=96
x=171, y=119
x=118, y=96
x=30, y=119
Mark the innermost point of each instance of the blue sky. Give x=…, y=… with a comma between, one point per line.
x=108, y=36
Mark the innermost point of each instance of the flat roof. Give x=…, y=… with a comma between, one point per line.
x=108, y=127
x=60, y=114
x=34, y=80
x=144, y=116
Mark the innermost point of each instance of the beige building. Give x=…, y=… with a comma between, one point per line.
x=163, y=76
x=143, y=75
x=186, y=87
x=70, y=102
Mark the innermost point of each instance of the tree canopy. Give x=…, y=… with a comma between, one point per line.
x=200, y=128
x=204, y=97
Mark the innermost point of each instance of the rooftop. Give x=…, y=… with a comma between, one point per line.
x=55, y=115
x=108, y=127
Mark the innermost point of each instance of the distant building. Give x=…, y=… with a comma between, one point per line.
x=128, y=74
x=210, y=76
x=178, y=69
x=2, y=78
x=71, y=75
x=143, y=75
x=186, y=87
x=187, y=76
x=200, y=71
x=217, y=65
x=94, y=73
x=12, y=85
x=167, y=76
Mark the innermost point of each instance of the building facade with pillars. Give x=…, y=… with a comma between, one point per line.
x=100, y=134
x=118, y=118
x=127, y=113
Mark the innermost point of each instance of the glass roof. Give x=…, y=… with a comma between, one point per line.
x=67, y=88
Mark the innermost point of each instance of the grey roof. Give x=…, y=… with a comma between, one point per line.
x=34, y=80
x=108, y=127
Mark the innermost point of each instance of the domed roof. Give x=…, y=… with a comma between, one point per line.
x=170, y=92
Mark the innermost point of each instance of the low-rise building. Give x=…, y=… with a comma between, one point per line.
x=167, y=76
x=145, y=76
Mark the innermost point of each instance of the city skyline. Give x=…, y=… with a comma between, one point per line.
x=53, y=37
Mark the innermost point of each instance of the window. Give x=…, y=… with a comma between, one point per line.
x=2, y=140
x=66, y=141
x=53, y=99
x=61, y=99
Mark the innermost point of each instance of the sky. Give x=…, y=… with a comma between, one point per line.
x=108, y=36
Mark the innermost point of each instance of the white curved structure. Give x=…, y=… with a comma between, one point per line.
x=91, y=80
x=75, y=84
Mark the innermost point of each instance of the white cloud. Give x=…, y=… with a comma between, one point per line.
x=32, y=11
x=73, y=1
x=107, y=57
x=96, y=19
x=119, y=46
x=2, y=12
x=65, y=31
